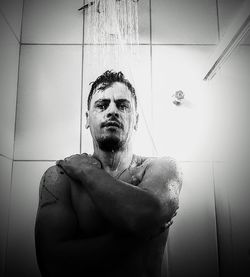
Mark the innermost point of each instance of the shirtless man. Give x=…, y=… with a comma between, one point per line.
x=107, y=214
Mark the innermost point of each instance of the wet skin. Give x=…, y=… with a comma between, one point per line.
x=126, y=255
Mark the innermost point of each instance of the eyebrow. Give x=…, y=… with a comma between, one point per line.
x=108, y=100
x=122, y=100
x=102, y=100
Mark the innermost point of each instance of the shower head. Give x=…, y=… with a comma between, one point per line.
x=92, y=3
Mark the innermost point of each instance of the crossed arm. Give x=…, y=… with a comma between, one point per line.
x=138, y=212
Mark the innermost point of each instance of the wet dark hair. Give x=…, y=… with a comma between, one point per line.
x=106, y=80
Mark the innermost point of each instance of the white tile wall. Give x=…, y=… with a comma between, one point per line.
x=52, y=21
x=232, y=178
x=184, y=22
x=5, y=183
x=49, y=100
x=137, y=71
x=21, y=259
x=9, y=56
x=192, y=237
x=12, y=11
x=184, y=131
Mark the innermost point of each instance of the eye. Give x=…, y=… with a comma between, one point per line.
x=102, y=106
x=123, y=106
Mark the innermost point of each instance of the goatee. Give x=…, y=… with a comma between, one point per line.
x=110, y=144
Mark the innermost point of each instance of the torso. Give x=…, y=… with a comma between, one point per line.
x=144, y=259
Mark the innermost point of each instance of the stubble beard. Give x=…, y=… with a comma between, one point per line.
x=110, y=144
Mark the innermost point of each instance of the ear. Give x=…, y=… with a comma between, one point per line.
x=87, y=120
x=136, y=121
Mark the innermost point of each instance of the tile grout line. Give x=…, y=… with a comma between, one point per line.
x=17, y=160
x=151, y=66
x=18, y=80
x=53, y=44
x=21, y=31
x=10, y=27
x=54, y=160
x=218, y=20
x=8, y=221
x=218, y=247
x=81, y=104
x=12, y=165
x=140, y=44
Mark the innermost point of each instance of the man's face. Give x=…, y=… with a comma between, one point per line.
x=112, y=117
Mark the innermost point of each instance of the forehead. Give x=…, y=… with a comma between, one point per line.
x=116, y=91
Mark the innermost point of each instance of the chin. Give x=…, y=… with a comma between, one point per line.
x=111, y=143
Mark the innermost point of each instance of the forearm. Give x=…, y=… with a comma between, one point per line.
x=86, y=256
x=127, y=207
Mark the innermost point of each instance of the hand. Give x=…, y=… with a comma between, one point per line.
x=77, y=164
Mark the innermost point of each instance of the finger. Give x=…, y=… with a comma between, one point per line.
x=59, y=163
x=67, y=159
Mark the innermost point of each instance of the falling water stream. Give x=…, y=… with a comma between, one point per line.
x=111, y=26
x=111, y=40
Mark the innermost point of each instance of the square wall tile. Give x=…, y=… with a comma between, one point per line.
x=9, y=57
x=184, y=22
x=5, y=183
x=24, y=203
x=12, y=11
x=49, y=101
x=184, y=131
x=136, y=69
x=52, y=21
x=192, y=242
x=229, y=90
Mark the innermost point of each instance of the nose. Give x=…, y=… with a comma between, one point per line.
x=112, y=110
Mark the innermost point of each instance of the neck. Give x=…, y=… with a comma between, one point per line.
x=114, y=162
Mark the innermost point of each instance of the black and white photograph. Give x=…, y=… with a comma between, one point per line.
x=124, y=138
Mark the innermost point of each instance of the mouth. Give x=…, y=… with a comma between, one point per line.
x=112, y=124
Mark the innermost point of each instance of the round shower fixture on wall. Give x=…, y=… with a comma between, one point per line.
x=178, y=97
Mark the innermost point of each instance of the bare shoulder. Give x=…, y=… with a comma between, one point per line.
x=161, y=173
x=54, y=186
x=166, y=167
